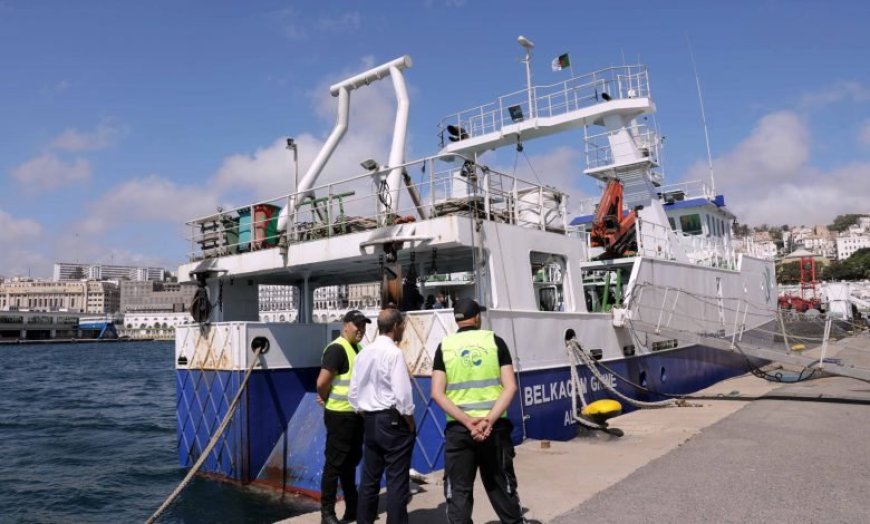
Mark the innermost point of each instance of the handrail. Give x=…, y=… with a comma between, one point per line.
x=353, y=204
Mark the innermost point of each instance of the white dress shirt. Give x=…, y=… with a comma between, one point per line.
x=380, y=378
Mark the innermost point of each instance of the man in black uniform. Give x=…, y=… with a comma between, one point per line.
x=344, y=427
x=473, y=382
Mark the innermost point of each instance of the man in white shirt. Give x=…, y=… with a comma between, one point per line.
x=380, y=389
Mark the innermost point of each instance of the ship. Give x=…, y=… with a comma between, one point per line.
x=622, y=280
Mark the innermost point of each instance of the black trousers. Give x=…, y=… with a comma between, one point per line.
x=463, y=456
x=344, y=438
x=389, y=443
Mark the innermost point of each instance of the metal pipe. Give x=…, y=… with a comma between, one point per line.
x=304, y=187
x=367, y=77
x=415, y=196
x=342, y=91
x=400, y=130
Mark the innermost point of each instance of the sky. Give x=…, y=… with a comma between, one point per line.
x=122, y=120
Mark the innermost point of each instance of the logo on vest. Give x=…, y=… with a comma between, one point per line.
x=471, y=357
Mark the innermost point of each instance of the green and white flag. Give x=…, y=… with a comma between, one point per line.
x=561, y=62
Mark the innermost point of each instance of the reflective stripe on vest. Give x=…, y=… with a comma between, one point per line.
x=337, y=400
x=473, y=372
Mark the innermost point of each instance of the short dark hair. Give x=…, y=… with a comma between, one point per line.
x=388, y=319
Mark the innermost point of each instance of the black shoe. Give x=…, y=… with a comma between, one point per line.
x=329, y=518
x=348, y=517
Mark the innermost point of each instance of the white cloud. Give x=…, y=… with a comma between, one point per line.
x=20, y=238
x=343, y=23
x=47, y=171
x=769, y=177
x=14, y=230
x=106, y=134
x=832, y=94
x=151, y=199
x=561, y=167
x=291, y=23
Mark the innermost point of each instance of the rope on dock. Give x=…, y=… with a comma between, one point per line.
x=575, y=350
x=211, y=444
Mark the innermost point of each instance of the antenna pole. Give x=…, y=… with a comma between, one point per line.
x=528, y=61
x=528, y=45
x=703, y=119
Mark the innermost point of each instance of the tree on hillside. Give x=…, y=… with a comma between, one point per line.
x=856, y=267
x=741, y=230
x=842, y=222
x=859, y=262
x=789, y=273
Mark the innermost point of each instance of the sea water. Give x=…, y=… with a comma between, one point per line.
x=87, y=434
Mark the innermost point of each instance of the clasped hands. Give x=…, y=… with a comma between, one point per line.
x=480, y=428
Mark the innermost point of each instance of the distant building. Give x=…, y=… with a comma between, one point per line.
x=150, y=296
x=848, y=244
x=89, y=296
x=154, y=324
x=75, y=271
x=279, y=303
x=278, y=298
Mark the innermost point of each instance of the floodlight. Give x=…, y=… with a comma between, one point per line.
x=525, y=42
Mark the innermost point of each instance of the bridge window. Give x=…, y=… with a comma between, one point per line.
x=691, y=224
x=672, y=223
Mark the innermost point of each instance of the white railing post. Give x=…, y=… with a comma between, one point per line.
x=662, y=311
x=825, y=339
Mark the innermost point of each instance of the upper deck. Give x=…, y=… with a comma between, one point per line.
x=341, y=230
x=544, y=110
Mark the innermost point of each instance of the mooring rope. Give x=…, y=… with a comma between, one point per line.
x=211, y=444
x=575, y=348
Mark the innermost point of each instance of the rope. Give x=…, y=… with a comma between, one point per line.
x=577, y=391
x=211, y=444
x=575, y=349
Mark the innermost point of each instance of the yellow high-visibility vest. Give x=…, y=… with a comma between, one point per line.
x=337, y=400
x=473, y=372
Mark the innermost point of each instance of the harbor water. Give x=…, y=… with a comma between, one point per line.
x=87, y=434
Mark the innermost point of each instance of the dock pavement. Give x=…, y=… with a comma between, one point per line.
x=765, y=452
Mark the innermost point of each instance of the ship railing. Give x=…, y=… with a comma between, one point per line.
x=654, y=240
x=599, y=152
x=687, y=189
x=577, y=92
x=708, y=251
x=362, y=203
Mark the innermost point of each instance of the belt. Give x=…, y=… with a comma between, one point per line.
x=381, y=411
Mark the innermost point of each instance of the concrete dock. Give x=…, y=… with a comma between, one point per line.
x=799, y=453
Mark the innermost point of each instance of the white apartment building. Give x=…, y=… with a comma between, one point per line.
x=819, y=245
x=848, y=244
x=75, y=271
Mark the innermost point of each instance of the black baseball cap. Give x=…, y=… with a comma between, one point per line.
x=356, y=316
x=466, y=308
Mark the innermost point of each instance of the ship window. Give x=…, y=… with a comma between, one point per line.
x=672, y=223
x=548, y=277
x=710, y=225
x=691, y=224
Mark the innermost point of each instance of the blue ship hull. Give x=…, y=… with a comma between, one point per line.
x=277, y=436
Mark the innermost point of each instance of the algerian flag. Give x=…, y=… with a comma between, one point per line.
x=561, y=62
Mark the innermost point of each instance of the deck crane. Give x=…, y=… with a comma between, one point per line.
x=613, y=228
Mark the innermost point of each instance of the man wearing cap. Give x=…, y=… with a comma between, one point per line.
x=473, y=382
x=381, y=390
x=344, y=427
